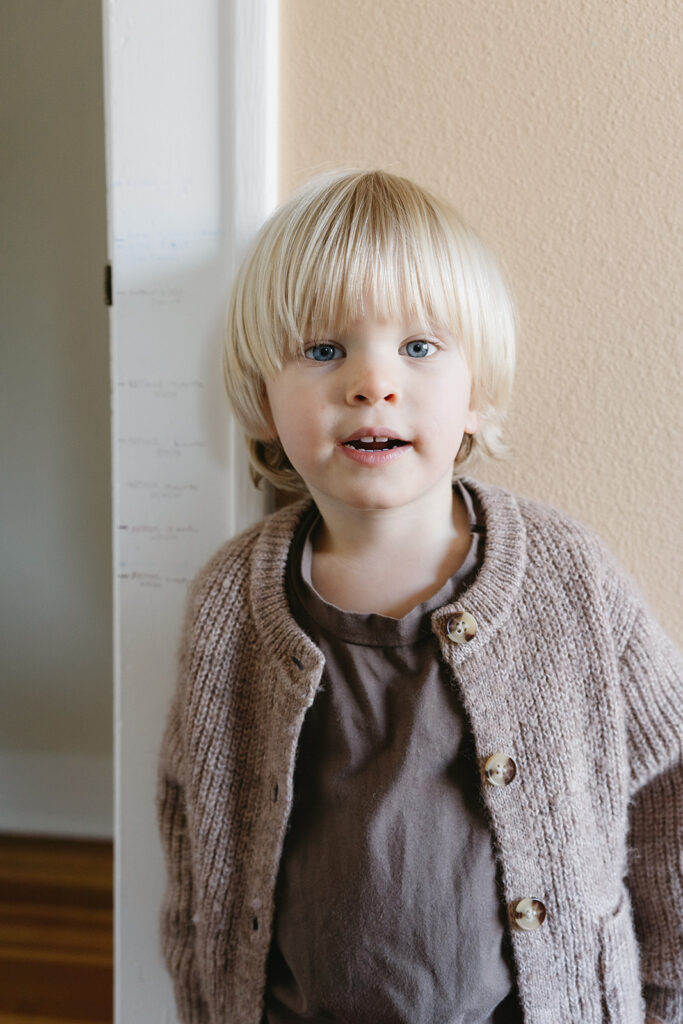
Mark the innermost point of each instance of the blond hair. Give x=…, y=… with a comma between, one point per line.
x=351, y=243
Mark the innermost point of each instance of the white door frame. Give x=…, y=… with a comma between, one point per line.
x=191, y=131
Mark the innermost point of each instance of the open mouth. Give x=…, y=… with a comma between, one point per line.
x=375, y=444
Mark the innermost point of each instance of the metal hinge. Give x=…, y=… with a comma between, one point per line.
x=108, y=301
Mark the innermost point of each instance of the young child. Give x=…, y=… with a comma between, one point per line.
x=423, y=764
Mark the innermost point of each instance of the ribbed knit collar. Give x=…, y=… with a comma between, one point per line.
x=489, y=597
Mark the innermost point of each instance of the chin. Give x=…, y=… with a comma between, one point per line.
x=366, y=501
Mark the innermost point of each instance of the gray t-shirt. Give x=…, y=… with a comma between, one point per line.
x=387, y=906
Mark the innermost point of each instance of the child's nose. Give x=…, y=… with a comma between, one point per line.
x=370, y=385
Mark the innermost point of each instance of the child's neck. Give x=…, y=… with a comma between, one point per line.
x=390, y=560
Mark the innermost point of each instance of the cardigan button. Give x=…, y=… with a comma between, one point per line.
x=500, y=769
x=461, y=627
x=529, y=914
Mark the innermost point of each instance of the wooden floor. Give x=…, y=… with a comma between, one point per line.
x=55, y=931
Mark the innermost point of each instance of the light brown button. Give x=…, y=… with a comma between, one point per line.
x=500, y=769
x=529, y=914
x=461, y=627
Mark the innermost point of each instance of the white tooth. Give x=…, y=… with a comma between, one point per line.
x=381, y=440
x=367, y=440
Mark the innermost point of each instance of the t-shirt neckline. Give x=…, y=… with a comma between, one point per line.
x=371, y=629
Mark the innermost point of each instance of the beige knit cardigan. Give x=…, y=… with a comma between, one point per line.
x=568, y=674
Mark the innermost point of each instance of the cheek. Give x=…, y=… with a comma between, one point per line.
x=299, y=421
x=449, y=411
x=286, y=408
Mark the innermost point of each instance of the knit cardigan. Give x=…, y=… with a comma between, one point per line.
x=568, y=674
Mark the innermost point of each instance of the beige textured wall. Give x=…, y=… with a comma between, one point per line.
x=554, y=130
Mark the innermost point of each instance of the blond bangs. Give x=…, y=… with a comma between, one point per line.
x=373, y=251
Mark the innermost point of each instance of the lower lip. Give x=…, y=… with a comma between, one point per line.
x=376, y=458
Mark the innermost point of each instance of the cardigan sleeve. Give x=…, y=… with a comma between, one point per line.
x=177, y=924
x=652, y=685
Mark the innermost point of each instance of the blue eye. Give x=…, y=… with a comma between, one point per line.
x=323, y=353
x=419, y=349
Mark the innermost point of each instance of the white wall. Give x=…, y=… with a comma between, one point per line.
x=55, y=590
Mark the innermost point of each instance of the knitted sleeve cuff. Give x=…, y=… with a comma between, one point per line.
x=666, y=1004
